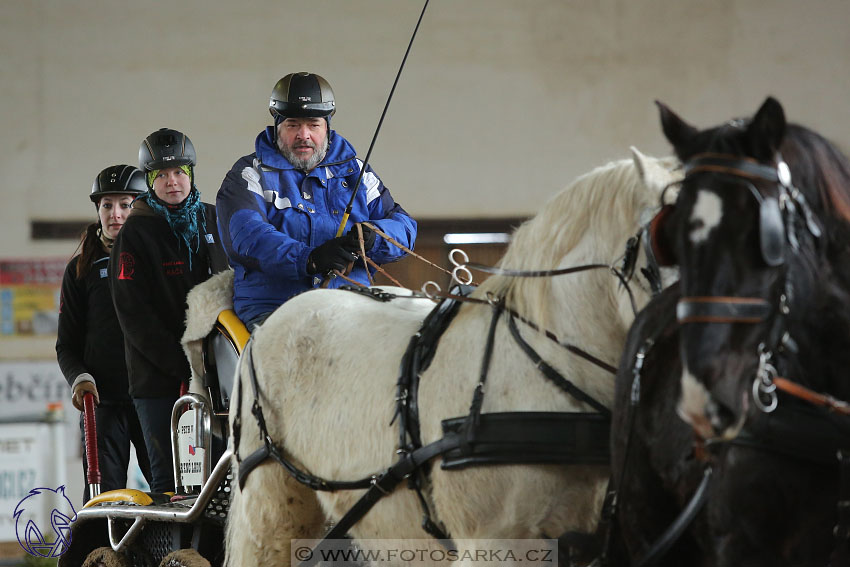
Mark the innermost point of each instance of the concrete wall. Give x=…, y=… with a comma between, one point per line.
x=501, y=103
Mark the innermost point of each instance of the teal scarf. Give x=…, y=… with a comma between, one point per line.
x=182, y=218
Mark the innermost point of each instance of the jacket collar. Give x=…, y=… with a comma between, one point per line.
x=142, y=209
x=339, y=151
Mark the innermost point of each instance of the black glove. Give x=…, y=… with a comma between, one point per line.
x=368, y=237
x=332, y=255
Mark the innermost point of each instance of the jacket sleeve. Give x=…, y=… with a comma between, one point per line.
x=246, y=233
x=72, y=324
x=388, y=216
x=216, y=256
x=133, y=293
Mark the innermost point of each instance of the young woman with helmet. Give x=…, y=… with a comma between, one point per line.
x=168, y=245
x=90, y=346
x=280, y=207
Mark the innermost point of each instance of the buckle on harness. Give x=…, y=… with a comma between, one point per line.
x=402, y=397
x=376, y=482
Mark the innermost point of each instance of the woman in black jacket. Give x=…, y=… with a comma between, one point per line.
x=90, y=346
x=169, y=244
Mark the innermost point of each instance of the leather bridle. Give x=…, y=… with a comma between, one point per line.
x=748, y=310
x=776, y=234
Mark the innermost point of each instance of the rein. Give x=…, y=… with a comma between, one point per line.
x=462, y=275
x=674, y=531
x=816, y=399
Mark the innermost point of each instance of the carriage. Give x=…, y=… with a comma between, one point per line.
x=137, y=529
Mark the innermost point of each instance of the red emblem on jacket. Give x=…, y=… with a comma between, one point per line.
x=173, y=267
x=127, y=266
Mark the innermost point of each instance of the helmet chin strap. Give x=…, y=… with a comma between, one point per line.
x=105, y=240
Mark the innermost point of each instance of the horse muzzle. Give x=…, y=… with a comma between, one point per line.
x=706, y=413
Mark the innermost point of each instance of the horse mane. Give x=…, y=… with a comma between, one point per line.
x=605, y=204
x=821, y=171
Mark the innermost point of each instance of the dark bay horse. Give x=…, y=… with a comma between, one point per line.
x=733, y=383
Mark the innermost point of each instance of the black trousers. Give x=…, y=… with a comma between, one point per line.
x=155, y=419
x=117, y=427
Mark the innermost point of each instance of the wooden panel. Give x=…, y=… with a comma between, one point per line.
x=58, y=230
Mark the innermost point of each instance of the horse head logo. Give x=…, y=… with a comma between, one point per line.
x=30, y=536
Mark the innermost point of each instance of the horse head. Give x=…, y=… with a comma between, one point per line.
x=753, y=231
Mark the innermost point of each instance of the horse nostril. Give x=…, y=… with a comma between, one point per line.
x=721, y=417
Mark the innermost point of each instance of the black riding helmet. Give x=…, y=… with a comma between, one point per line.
x=166, y=148
x=118, y=180
x=301, y=95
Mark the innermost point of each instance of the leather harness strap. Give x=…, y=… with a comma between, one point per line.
x=270, y=451
x=722, y=309
x=814, y=398
x=675, y=530
x=842, y=526
x=380, y=487
x=553, y=375
x=739, y=166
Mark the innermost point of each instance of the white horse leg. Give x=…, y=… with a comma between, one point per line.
x=271, y=511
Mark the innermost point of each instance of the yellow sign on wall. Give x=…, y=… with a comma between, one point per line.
x=29, y=296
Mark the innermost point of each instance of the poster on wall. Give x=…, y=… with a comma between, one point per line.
x=29, y=296
x=36, y=391
x=32, y=456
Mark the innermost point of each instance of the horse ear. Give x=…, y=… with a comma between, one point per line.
x=651, y=171
x=640, y=163
x=766, y=129
x=677, y=131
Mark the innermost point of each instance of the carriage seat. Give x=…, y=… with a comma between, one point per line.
x=221, y=350
x=213, y=339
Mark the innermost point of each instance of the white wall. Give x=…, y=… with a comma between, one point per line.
x=501, y=103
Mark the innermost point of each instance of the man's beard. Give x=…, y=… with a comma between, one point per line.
x=306, y=164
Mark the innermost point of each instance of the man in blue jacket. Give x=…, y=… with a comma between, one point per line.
x=279, y=208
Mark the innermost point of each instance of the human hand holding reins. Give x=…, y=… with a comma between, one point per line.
x=369, y=237
x=335, y=254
